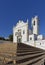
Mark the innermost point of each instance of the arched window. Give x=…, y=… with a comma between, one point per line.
x=40, y=43
x=34, y=23
x=23, y=31
x=30, y=38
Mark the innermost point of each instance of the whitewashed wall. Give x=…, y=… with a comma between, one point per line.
x=35, y=25
x=40, y=44
x=23, y=26
x=29, y=43
x=40, y=37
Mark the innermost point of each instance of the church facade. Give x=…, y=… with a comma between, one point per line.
x=22, y=33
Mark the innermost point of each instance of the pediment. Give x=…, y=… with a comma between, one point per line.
x=20, y=23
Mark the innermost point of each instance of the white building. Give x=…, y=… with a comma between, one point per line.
x=22, y=33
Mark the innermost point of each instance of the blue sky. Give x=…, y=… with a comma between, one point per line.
x=13, y=10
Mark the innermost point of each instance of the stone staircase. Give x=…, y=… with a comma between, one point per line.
x=21, y=54
x=28, y=55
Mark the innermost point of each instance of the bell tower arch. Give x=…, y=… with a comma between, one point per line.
x=35, y=25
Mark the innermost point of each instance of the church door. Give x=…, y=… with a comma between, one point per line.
x=19, y=39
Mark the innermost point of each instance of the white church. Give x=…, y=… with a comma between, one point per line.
x=22, y=33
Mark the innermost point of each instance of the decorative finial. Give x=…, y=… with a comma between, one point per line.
x=19, y=21
x=36, y=17
x=27, y=20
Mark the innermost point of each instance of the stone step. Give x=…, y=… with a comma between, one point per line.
x=24, y=46
x=30, y=61
x=28, y=56
x=27, y=53
x=21, y=51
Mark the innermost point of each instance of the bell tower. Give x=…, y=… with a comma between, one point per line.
x=35, y=25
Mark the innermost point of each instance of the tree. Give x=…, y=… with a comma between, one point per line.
x=2, y=38
x=11, y=37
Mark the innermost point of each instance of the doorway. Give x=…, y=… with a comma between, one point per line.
x=19, y=39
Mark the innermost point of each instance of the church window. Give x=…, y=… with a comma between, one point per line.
x=40, y=43
x=23, y=31
x=30, y=38
x=34, y=22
